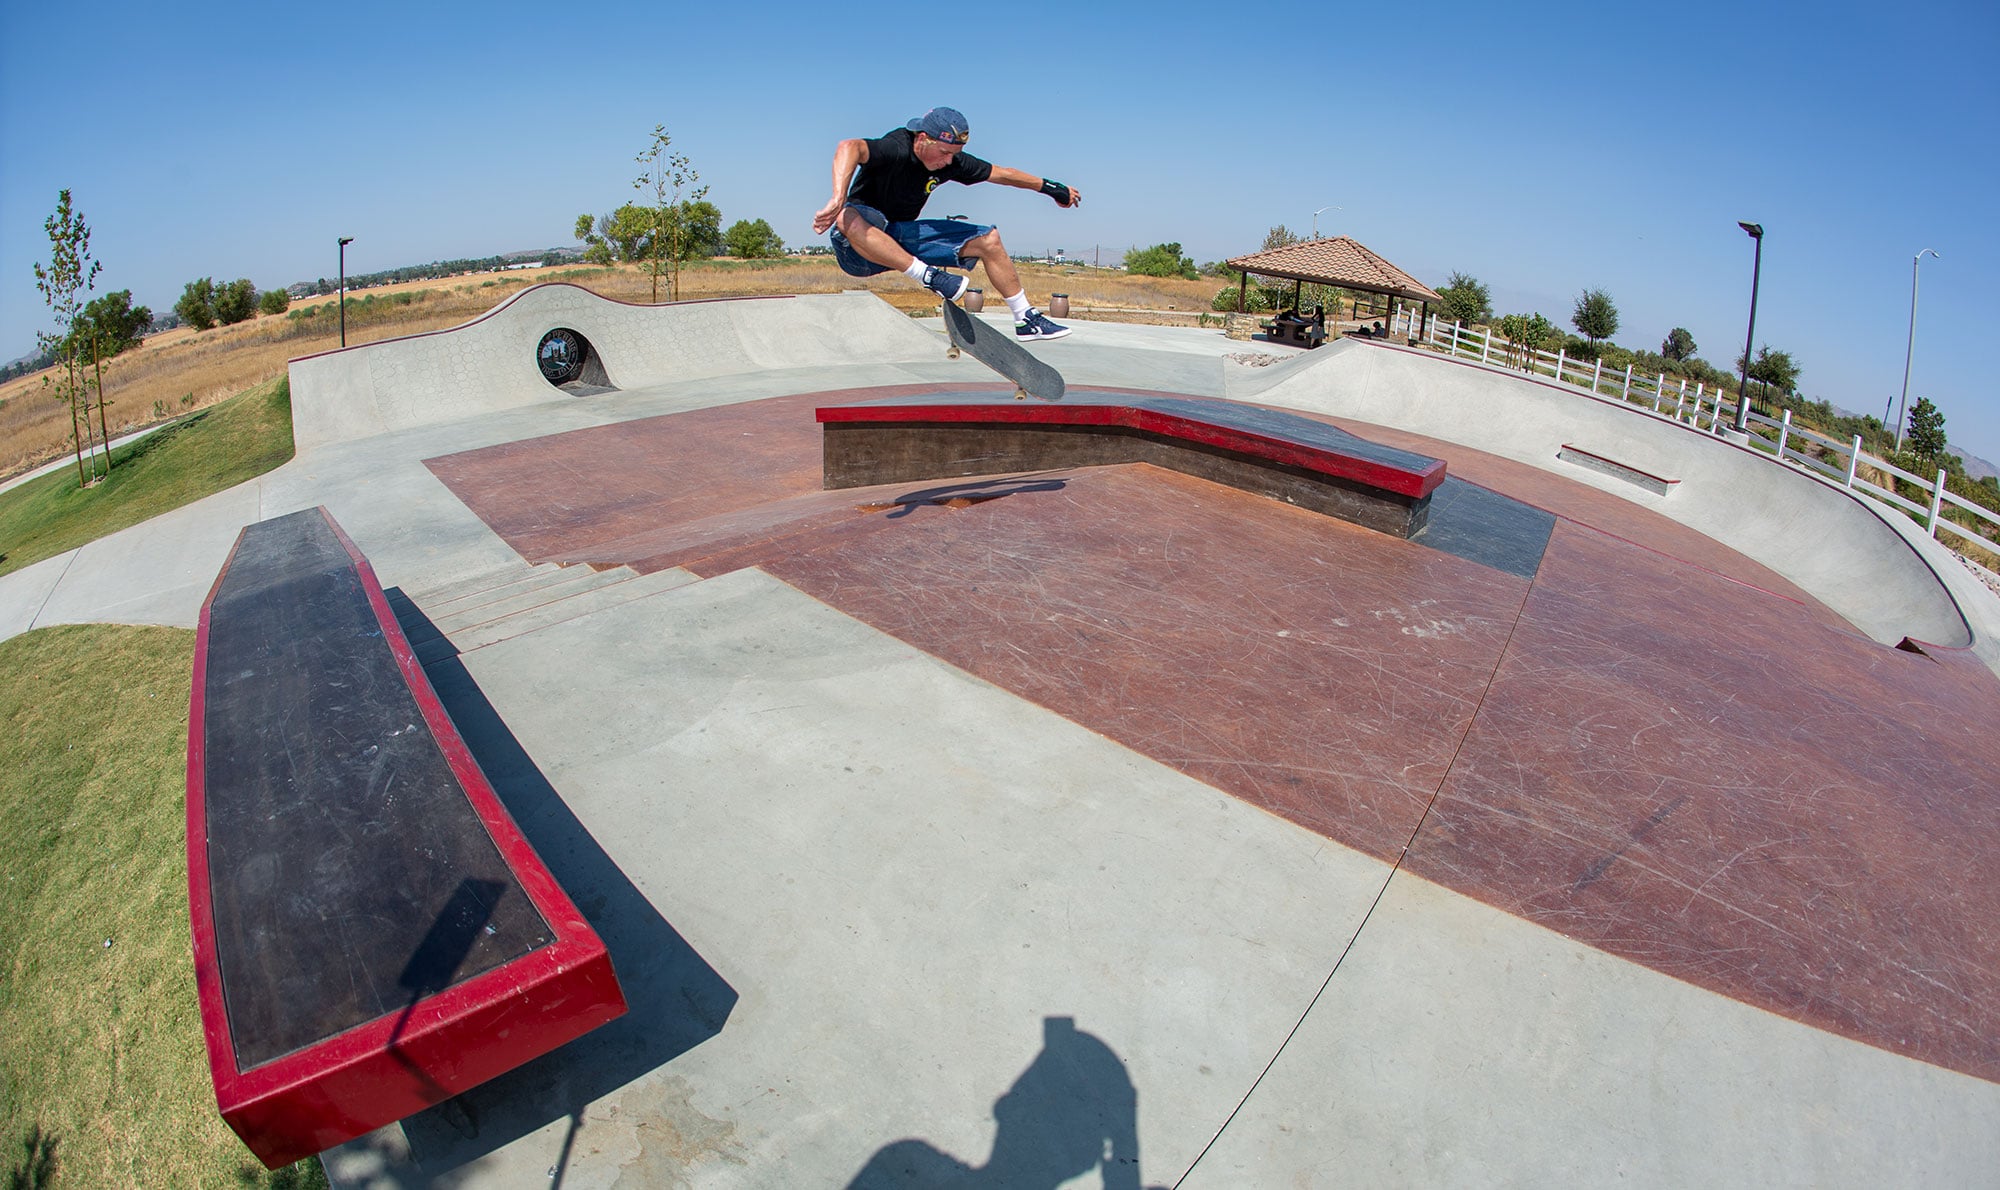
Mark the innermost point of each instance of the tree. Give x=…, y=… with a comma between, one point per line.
x=1465, y=300
x=235, y=301
x=70, y=273
x=1926, y=437
x=700, y=227
x=628, y=232
x=1595, y=317
x=1280, y=237
x=114, y=324
x=197, y=304
x=752, y=239
x=1525, y=334
x=1160, y=260
x=1772, y=369
x=668, y=175
x=1678, y=345
x=274, y=301
x=112, y=327
x=595, y=250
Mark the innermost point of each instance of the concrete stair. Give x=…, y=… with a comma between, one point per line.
x=513, y=600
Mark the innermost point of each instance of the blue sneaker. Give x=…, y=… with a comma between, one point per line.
x=1037, y=326
x=947, y=285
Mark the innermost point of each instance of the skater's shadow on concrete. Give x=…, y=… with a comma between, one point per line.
x=1072, y=1111
x=675, y=1000
x=972, y=491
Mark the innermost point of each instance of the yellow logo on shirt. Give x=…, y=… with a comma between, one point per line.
x=931, y=184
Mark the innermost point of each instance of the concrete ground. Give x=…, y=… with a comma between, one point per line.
x=1123, y=830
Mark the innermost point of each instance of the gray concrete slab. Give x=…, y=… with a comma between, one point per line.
x=903, y=873
x=158, y=572
x=24, y=593
x=1462, y=1046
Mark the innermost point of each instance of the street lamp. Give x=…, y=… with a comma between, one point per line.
x=1910, y=350
x=1316, y=219
x=1756, y=231
x=344, y=242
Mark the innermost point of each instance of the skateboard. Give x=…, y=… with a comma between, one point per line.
x=1031, y=377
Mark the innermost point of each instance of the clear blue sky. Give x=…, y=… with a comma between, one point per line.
x=1542, y=149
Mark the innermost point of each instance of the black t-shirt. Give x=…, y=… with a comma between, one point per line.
x=895, y=183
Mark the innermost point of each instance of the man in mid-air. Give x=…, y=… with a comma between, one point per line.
x=873, y=213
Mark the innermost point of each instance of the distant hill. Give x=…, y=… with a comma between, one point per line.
x=1975, y=466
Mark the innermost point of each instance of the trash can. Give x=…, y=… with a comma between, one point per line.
x=975, y=300
x=1058, y=305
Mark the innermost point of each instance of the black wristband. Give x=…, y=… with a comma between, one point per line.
x=1056, y=190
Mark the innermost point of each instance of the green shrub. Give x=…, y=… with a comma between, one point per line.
x=1258, y=301
x=1160, y=260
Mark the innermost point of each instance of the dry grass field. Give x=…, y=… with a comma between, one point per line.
x=183, y=369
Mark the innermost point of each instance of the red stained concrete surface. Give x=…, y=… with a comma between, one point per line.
x=1656, y=745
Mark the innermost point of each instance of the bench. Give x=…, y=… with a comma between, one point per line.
x=1267, y=451
x=372, y=934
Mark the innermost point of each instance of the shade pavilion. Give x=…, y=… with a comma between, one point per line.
x=1338, y=261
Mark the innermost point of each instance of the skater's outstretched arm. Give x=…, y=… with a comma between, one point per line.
x=1065, y=196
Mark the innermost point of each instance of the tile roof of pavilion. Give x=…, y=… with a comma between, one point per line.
x=1336, y=261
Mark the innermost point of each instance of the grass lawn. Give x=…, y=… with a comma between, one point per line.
x=200, y=454
x=103, y=1074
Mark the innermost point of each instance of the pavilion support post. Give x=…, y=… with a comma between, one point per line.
x=1242, y=290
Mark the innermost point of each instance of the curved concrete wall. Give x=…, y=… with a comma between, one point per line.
x=1866, y=562
x=488, y=364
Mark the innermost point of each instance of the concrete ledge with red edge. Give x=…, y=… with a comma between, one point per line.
x=1268, y=451
x=372, y=935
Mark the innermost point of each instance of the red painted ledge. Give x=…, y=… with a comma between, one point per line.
x=399, y=1063
x=1268, y=435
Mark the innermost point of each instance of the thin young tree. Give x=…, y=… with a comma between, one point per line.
x=113, y=326
x=667, y=175
x=69, y=274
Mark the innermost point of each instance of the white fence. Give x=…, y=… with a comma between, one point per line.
x=1834, y=462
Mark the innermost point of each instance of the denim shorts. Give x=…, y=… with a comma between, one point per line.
x=933, y=241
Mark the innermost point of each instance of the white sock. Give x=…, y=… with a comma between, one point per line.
x=917, y=269
x=1019, y=305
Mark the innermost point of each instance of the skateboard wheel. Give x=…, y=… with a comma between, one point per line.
x=951, y=353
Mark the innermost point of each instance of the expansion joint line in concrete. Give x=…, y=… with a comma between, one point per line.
x=35, y=620
x=1381, y=892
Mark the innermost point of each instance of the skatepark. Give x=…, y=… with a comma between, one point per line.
x=1109, y=822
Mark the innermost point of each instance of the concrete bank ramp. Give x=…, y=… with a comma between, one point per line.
x=490, y=363
x=1868, y=563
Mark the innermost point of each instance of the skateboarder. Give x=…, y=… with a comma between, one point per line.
x=873, y=215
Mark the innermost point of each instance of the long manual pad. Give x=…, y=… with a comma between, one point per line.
x=1031, y=377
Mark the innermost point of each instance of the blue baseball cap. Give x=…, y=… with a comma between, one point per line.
x=947, y=124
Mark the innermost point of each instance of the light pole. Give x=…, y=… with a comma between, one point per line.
x=344, y=242
x=1911, y=349
x=1316, y=219
x=1756, y=231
